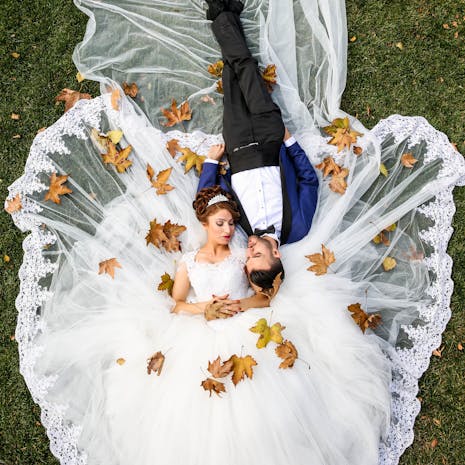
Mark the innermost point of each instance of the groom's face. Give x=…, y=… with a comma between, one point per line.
x=260, y=253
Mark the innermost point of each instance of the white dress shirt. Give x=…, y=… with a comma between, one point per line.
x=259, y=191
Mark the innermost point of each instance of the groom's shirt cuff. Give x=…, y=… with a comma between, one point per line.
x=289, y=142
x=210, y=160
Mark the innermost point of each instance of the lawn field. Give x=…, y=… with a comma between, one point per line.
x=405, y=57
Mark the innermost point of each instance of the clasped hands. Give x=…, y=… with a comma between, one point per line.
x=222, y=307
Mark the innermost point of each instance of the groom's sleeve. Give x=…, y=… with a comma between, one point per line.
x=307, y=179
x=209, y=176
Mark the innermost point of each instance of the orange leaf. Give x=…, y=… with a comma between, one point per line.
x=338, y=183
x=271, y=292
x=213, y=385
x=328, y=166
x=362, y=318
x=219, y=86
x=358, y=150
x=218, y=369
x=155, y=363
x=177, y=115
x=216, y=69
x=269, y=76
x=321, y=261
x=14, y=204
x=70, y=97
x=342, y=134
x=160, y=184
x=242, y=366
x=120, y=361
x=56, y=188
x=115, y=96
x=287, y=352
x=165, y=235
x=108, y=266
x=117, y=158
x=172, y=146
x=130, y=89
x=408, y=160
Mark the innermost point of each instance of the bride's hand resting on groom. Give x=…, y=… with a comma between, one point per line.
x=216, y=152
x=221, y=307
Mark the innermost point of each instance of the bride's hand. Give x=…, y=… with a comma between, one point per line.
x=221, y=307
x=216, y=152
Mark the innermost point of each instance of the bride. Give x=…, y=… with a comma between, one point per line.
x=107, y=197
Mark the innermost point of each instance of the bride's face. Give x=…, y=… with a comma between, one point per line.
x=220, y=227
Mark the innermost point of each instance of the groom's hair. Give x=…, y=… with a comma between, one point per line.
x=265, y=278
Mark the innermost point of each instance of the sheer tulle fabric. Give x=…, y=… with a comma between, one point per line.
x=73, y=323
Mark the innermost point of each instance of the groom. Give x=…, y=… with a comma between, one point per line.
x=273, y=182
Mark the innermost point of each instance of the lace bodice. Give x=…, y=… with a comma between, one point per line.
x=225, y=277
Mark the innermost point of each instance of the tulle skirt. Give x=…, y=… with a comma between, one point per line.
x=84, y=337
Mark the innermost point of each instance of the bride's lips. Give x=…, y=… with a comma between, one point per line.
x=227, y=237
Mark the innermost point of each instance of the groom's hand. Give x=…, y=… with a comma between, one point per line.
x=287, y=134
x=216, y=152
x=221, y=307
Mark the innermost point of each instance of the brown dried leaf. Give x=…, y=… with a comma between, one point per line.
x=338, y=183
x=176, y=115
x=14, y=204
x=213, y=385
x=219, y=369
x=342, y=134
x=15, y=116
x=130, y=89
x=363, y=319
x=117, y=158
x=328, y=166
x=270, y=293
x=408, y=160
x=321, y=261
x=56, y=188
x=108, y=266
x=165, y=235
x=269, y=76
x=115, y=96
x=155, y=363
x=242, y=366
x=358, y=150
x=219, y=86
x=172, y=146
x=216, y=69
x=160, y=183
x=70, y=97
x=287, y=352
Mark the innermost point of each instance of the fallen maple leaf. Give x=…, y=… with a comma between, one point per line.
x=79, y=77
x=165, y=235
x=267, y=333
x=155, y=363
x=160, y=183
x=172, y=146
x=177, y=115
x=408, y=160
x=363, y=319
x=108, y=266
x=269, y=76
x=383, y=170
x=213, y=385
x=14, y=204
x=342, y=134
x=328, y=166
x=70, y=97
x=389, y=263
x=115, y=96
x=130, y=89
x=166, y=283
x=358, y=151
x=321, y=261
x=120, y=361
x=117, y=158
x=115, y=135
x=56, y=188
x=191, y=159
x=338, y=183
x=219, y=86
x=287, y=351
x=216, y=69
x=15, y=116
x=242, y=366
x=271, y=292
x=383, y=237
x=219, y=369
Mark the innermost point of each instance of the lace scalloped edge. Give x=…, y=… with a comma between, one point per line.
x=413, y=362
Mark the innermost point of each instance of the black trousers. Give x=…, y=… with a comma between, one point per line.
x=253, y=129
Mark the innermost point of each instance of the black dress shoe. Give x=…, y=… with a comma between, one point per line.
x=235, y=6
x=215, y=7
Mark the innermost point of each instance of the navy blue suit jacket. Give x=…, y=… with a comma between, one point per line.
x=299, y=183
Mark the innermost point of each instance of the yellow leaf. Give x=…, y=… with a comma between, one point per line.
x=166, y=283
x=15, y=116
x=15, y=54
x=267, y=333
x=79, y=77
x=353, y=38
x=115, y=136
x=242, y=366
x=400, y=45
x=191, y=160
x=383, y=170
x=269, y=76
x=389, y=263
x=216, y=69
x=6, y=258
x=120, y=361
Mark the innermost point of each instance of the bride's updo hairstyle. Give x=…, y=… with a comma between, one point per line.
x=202, y=208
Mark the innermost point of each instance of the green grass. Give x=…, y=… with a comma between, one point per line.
x=425, y=78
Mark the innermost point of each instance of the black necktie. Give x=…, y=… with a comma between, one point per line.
x=260, y=232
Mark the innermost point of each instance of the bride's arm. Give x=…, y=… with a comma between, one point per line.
x=180, y=290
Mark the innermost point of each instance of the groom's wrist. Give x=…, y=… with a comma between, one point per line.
x=210, y=160
x=289, y=141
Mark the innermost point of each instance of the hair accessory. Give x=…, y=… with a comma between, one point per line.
x=217, y=198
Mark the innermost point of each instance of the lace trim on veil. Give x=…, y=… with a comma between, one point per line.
x=413, y=362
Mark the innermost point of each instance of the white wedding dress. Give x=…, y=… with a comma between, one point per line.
x=85, y=338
